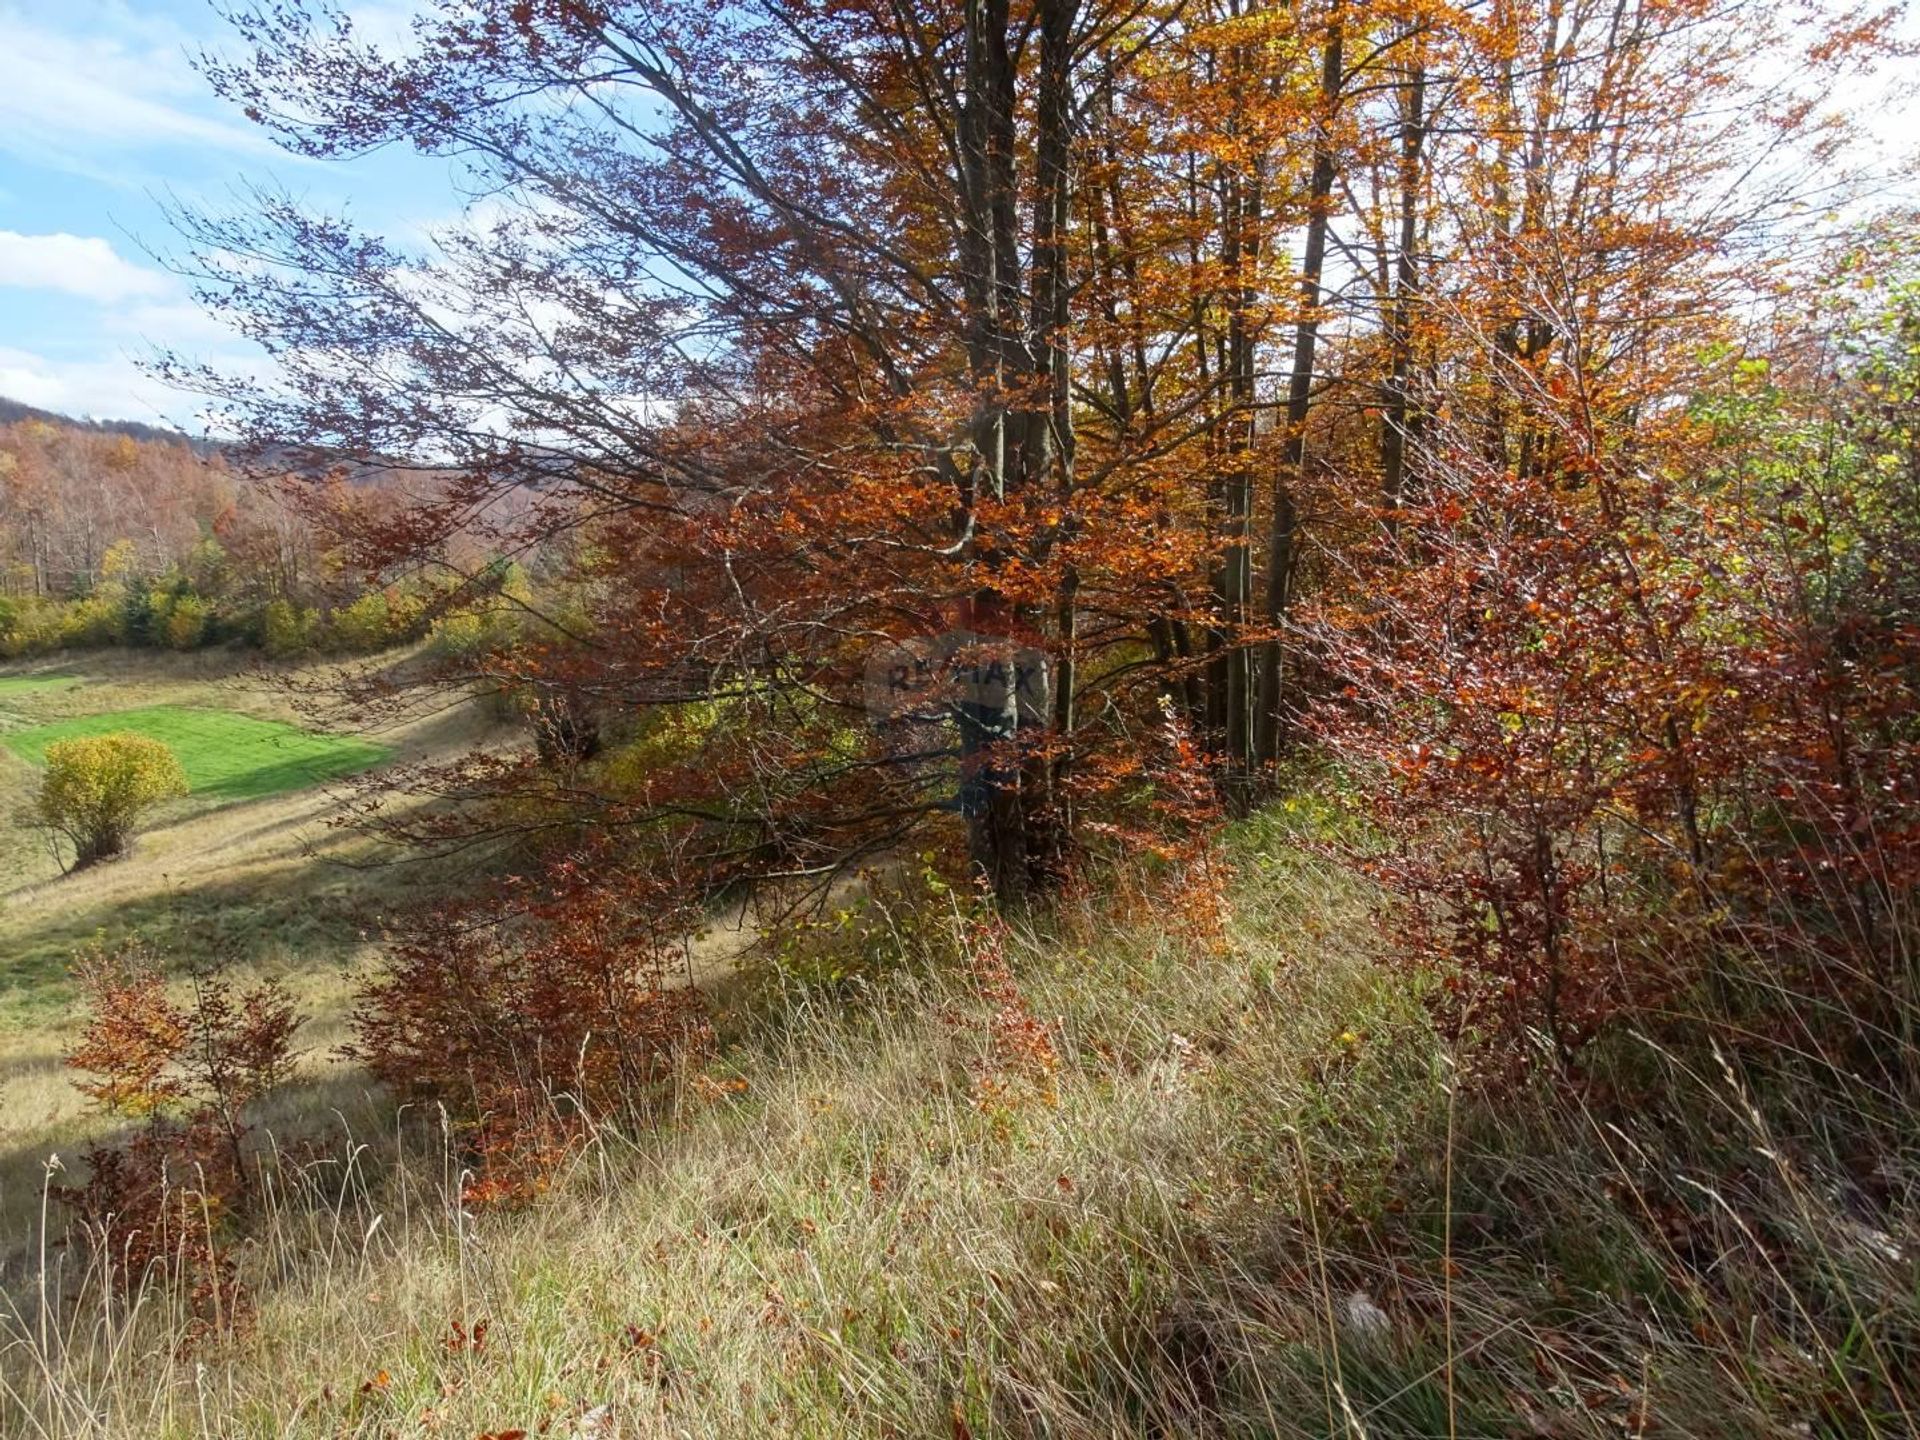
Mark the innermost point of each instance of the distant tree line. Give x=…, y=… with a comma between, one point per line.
x=134, y=537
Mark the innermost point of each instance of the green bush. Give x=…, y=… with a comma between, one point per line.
x=144, y=614
x=467, y=634
x=458, y=636
x=187, y=619
x=92, y=622
x=28, y=626
x=364, y=626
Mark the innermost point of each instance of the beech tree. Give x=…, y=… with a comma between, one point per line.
x=68, y=495
x=795, y=312
x=969, y=338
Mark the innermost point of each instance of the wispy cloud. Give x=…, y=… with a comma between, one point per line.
x=83, y=265
x=101, y=113
x=80, y=95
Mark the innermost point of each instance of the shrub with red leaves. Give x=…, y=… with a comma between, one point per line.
x=1643, y=697
x=1021, y=1060
x=1160, y=809
x=161, y=1205
x=536, y=1015
x=134, y=1035
x=162, y=1202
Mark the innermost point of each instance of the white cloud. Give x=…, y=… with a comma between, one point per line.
x=83, y=265
x=387, y=25
x=113, y=86
x=170, y=324
x=114, y=388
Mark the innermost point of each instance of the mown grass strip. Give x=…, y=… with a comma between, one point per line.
x=226, y=755
x=13, y=687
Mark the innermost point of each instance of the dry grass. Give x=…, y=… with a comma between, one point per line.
x=261, y=882
x=1255, y=1206
x=1258, y=1203
x=241, y=875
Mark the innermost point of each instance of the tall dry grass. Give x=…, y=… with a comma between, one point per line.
x=1261, y=1199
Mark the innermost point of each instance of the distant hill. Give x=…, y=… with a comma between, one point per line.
x=269, y=463
x=14, y=410
x=273, y=460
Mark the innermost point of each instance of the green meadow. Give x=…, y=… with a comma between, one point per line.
x=14, y=686
x=226, y=755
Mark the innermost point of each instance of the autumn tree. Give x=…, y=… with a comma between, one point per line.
x=1535, y=678
x=69, y=495
x=1019, y=346
x=881, y=326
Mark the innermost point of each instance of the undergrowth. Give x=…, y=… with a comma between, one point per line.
x=1209, y=1185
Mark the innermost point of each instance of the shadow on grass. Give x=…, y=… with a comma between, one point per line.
x=285, y=775
x=298, y=918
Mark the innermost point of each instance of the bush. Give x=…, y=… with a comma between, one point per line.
x=98, y=786
x=459, y=636
x=406, y=615
x=186, y=627
x=471, y=634
x=286, y=629
x=28, y=627
x=155, y=1205
x=147, y=611
x=531, y=1018
x=93, y=622
x=1668, y=728
x=364, y=626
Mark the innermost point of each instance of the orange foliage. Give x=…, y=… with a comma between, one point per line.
x=1021, y=1061
x=164, y=1202
x=1244, y=377
x=537, y=1015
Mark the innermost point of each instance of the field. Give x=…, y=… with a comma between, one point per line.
x=225, y=754
x=229, y=865
x=1246, y=1196
x=1247, y=1199
x=247, y=868
x=18, y=687
x=224, y=868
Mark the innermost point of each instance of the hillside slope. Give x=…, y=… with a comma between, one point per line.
x=1245, y=1190
x=15, y=410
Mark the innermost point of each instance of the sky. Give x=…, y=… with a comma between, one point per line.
x=102, y=118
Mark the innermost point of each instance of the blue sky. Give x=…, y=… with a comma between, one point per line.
x=101, y=116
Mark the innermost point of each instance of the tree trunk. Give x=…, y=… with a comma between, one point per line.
x=1282, y=538
x=1050, y=445
x=1397, y=421
x=1022, y=427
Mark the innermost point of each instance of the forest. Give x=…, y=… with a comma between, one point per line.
x=1283, y=640
x=118, y=536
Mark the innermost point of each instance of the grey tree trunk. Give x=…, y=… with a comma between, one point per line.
x=1282, y=537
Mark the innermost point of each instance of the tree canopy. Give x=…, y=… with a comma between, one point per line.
x=1126, y=352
